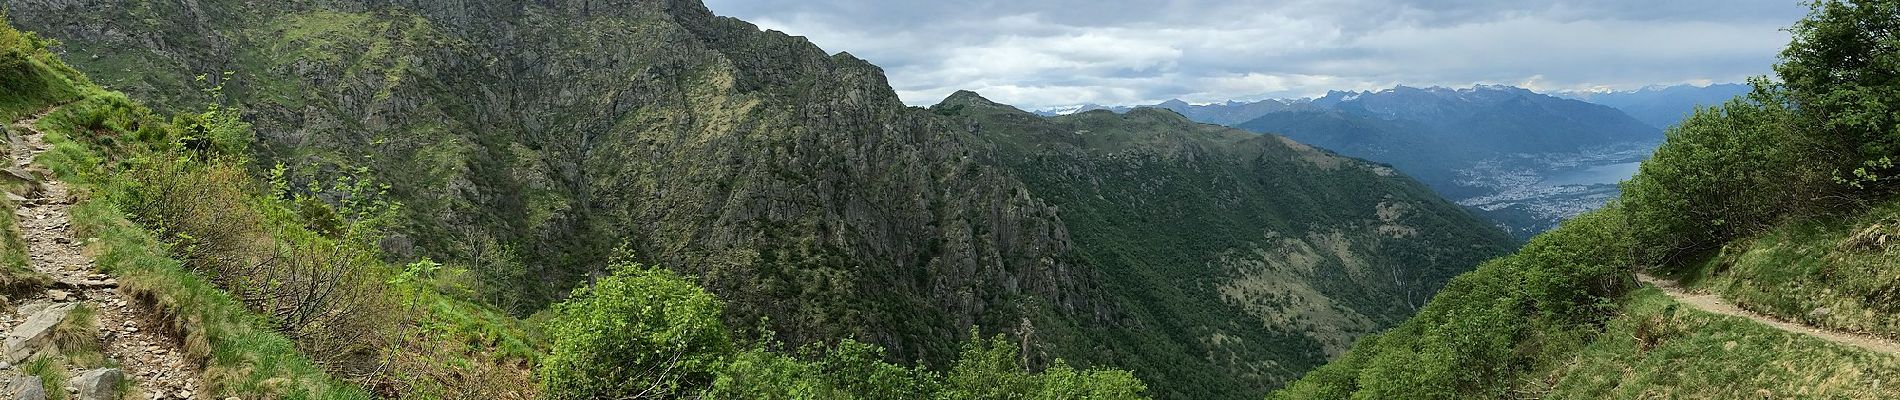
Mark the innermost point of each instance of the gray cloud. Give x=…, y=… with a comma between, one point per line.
x=1063, y=52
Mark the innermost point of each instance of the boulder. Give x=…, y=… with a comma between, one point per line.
x=27, y=389
x=36, y=332
x=99, y=384
x=14, y=386
x=19, y=174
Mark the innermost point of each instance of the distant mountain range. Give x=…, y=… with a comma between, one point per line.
x=1658, y=106
x=1525, y=159
x=1229, y=113
x=1661, y=106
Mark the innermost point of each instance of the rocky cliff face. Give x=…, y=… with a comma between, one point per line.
x=534, y=141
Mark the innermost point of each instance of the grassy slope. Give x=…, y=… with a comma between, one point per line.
x=455, y=340
x=243, y=356
x=1644, y=345
x=1840, y=273
x=1658, y=348
x=30, y=80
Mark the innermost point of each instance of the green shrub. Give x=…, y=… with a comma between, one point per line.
x=1725, y=172
x=1842, y=72
x=639, y=333
x=849, y=370
x=993, y=369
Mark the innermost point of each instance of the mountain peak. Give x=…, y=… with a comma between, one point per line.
x=1159, y=113
x=966, y=97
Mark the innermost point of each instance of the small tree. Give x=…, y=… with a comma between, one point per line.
x=640, y=333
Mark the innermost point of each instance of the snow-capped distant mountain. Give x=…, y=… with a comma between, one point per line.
x=1662, y=106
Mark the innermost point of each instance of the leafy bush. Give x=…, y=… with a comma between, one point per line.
x=851, y=370
x=1723, y=173
x=649, y=333
x=1820, y=142
x=985, y=369
x=992, y=369
x=639, y=333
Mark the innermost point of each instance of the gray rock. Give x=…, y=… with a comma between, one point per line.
x=99, y=384
x=20, y=174
x=1819, y=313
x=36, y=332
x=28, y=389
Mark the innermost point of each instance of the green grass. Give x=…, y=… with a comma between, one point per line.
x=51, y=375
x=1658, y=348
x=31, y=78
x=77, y=339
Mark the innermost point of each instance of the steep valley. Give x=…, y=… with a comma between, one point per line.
x=535, y=143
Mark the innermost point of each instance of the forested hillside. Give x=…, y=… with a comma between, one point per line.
x=1268, y=254
x=1781, y=202
x=505, y=168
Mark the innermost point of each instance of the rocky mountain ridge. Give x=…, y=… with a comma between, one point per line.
x=534, y=142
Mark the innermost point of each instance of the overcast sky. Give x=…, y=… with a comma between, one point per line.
x=1044, y=53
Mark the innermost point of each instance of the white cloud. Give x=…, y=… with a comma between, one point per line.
x=1061, y=52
